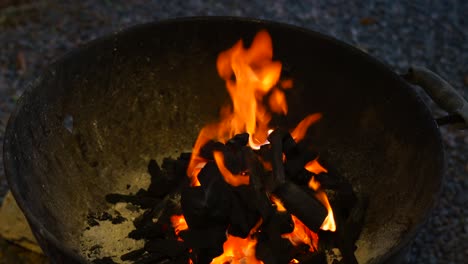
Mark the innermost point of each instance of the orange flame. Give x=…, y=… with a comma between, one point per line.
x=315, y=167
x=234, y=180
x=240, y=250
x=301, y=233
x=250, y=74
x=178, y=223
x=299, y=132
x=329, y=222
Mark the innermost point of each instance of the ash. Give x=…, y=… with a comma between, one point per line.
x=106, y=236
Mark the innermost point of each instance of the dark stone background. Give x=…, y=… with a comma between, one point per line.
x=400, y=33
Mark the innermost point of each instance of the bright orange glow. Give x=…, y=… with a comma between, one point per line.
x=178, y=223
x=277, y=102
x=301, y=233
x=329, y=222
x=240, y=250
x=234, y=180
x=299, y=132
x=315, y=167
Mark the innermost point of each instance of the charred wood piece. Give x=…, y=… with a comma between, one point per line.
x=299, y=203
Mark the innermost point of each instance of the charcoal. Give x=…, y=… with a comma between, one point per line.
x=217, y=197
x=106, y=260
x=234, y=161
x=272, y=249
x=303, y=177
x=283, y=222
x=118, y=219
x=304, y=206
x=244, y=214
x=133, y=255
x=290, y=148
x=185, y=156
x=276, y=141
x=207, y=205
x=238, y=141
x=172, y=174
x=312, y=258
x=152, y=258
x=144, y=219
x=207, y=150
x=257, y=175
x=327, y=181
x=265, y=153
x=167, y=247
x=210, y=237
x=194, y=207
x=148, y=231
x=154, y=170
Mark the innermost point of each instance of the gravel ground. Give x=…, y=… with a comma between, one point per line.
x=429, y=33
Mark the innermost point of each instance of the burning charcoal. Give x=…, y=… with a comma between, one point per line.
x=238, y=140
x=234, y=161
x=305, y=207
x=272, y=249
x=172, y=174
x=185, y=156
x=210, y=237
x=217, y=197
x=265, y=152
x=194, y=206
x=283, y=222
x=207, y=150
x=206, y=243
x=133, y=255
x=210, y=203
x=244, y=214
x=290, y=148
x=167, y=247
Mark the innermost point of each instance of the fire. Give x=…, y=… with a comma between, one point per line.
x=315, y=167
x=250, y=75
x=234, y=180
x=240, y=250
x=299, y=132
x=252, y=80
x=329, y=222
x=178, y=223
x=301, y=233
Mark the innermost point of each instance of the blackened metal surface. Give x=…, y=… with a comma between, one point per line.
x=146, y=92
